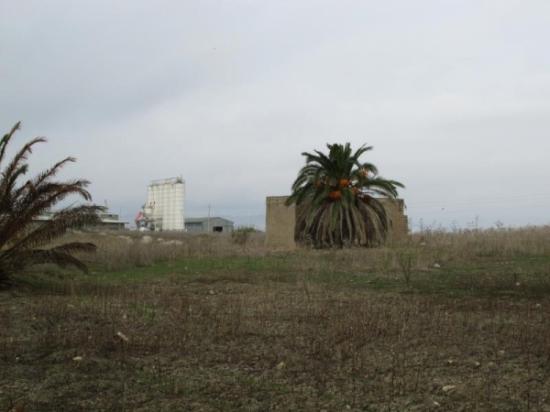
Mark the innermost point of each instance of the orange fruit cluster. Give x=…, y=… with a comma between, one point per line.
x=344, y=182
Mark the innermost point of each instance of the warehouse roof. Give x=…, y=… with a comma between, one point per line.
x=204, y=219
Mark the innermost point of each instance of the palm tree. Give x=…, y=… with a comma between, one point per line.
x=338, y=199
x=22, y=240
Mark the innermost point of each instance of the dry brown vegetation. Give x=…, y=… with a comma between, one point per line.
x=205, y=323
x=132, y=249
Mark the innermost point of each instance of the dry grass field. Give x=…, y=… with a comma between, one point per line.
x=443, y=322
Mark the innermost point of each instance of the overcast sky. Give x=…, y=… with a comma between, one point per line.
x=454, y=95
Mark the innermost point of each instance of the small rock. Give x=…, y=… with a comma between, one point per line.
x=173, y=243
x=78, y=358
x=436, y=404
x=146, y=239
x=448, y=388
x=476, y=364
x=501, y=353
x=437, y=265
x=211, y=291
x=280, y=366
x=122, y=337
x=518, y=284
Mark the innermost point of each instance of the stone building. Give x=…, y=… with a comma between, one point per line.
x=281, y=221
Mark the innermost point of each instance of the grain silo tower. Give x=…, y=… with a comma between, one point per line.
x=164, y=207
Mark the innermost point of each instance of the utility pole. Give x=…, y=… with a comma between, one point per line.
x=208, y=230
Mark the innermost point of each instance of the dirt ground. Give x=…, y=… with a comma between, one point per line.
x=233, y=340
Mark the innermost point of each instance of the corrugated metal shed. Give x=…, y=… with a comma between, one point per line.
x=208, y=225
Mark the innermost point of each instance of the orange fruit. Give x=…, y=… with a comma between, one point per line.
x=344, y=182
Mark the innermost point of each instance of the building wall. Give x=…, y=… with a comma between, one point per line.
x=224, y=225
x=280, y=223
x=108, y=221
x=205, y=225
x=194, y=227
x=165, y=204
x=395, y=210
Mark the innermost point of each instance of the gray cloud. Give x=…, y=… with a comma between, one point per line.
x=453, y=95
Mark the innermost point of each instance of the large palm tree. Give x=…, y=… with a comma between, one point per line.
x=22, y=239
x=338, y=199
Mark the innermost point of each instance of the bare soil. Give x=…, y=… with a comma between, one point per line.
x=234, y=340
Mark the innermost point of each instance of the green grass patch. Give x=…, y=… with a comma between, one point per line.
x=516, y=276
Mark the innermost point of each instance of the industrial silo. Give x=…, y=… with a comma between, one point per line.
x=164, y=207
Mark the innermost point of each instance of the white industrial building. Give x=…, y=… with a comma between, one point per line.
x=164, y=208
x=106, y=221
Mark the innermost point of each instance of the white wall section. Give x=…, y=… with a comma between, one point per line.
x=164, y=205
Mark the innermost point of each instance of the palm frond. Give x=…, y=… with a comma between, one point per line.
x=6, y=140
x=335, y=195
x=21, y=238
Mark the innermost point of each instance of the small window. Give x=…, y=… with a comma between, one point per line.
x=217, y=229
